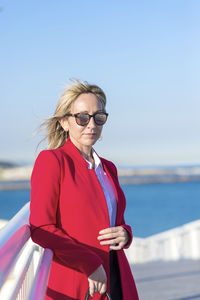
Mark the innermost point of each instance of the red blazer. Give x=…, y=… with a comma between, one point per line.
x=68, y=209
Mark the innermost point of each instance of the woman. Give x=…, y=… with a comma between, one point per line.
x=77, y=205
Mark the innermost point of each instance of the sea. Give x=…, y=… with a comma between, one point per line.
x=150, y=208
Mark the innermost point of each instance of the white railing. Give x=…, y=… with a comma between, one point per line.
x=179, y=243
x=24, y=266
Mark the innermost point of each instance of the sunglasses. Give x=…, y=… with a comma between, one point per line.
x=83, y=119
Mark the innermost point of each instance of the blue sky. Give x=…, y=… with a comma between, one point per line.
x=144, y=54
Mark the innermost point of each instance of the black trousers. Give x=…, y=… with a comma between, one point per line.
x=115, y=280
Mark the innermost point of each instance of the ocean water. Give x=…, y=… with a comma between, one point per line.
x=12, y=201
x=151, y=208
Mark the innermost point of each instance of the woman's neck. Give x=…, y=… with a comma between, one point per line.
x=86, y=151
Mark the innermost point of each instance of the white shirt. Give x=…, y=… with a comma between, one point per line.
x=106, y=186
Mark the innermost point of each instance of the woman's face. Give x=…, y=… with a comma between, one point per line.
x=84, y=136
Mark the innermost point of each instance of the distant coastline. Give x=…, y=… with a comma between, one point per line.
x=14, y=185
x=15, y=178
x=159, y=175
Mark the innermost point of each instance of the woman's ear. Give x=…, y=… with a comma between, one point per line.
x=64, y=124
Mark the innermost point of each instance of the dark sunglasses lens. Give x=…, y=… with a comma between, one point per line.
x=100, y=119
x=82, y=119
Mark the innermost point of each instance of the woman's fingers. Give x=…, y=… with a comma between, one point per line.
x=110, y=242
x=96, y=287
x=116, y=247
x=110, y=230
x=92, y=287
x=97, y=281
x=111, y=235
x=114, y=235
x=103, y=289
x=99, y=286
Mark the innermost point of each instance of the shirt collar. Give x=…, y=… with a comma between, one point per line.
x=97, y=160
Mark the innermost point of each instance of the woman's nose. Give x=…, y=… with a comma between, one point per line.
x=92, y=123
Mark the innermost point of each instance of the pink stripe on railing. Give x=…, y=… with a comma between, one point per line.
x=40, y=283
x=10, y=250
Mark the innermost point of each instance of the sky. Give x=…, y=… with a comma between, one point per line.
x=143, y=54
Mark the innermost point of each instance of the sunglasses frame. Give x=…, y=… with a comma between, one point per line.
x=90, y=116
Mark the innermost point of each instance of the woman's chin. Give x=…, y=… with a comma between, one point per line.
x=89, y=141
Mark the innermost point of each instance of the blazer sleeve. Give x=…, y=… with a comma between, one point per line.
x=45, y=188
x=123, y=224
x=129, y=230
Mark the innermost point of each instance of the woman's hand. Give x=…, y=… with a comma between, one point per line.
x=117, y=237
x=97, y=281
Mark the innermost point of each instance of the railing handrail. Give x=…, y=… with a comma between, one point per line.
x=12, y=239
x=39, y=286
x=22, y=270
x=10, y=250
x=20, y=219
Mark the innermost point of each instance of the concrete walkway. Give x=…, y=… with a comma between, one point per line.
x=178, y=280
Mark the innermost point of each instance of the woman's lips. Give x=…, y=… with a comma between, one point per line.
x=90, y=134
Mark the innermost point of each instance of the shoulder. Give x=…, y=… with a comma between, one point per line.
x=52, y=158
x=52, y=155
x=46, y=170
x=48, y=156
x=47, y=161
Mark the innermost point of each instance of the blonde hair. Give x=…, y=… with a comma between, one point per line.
x=55, y=134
